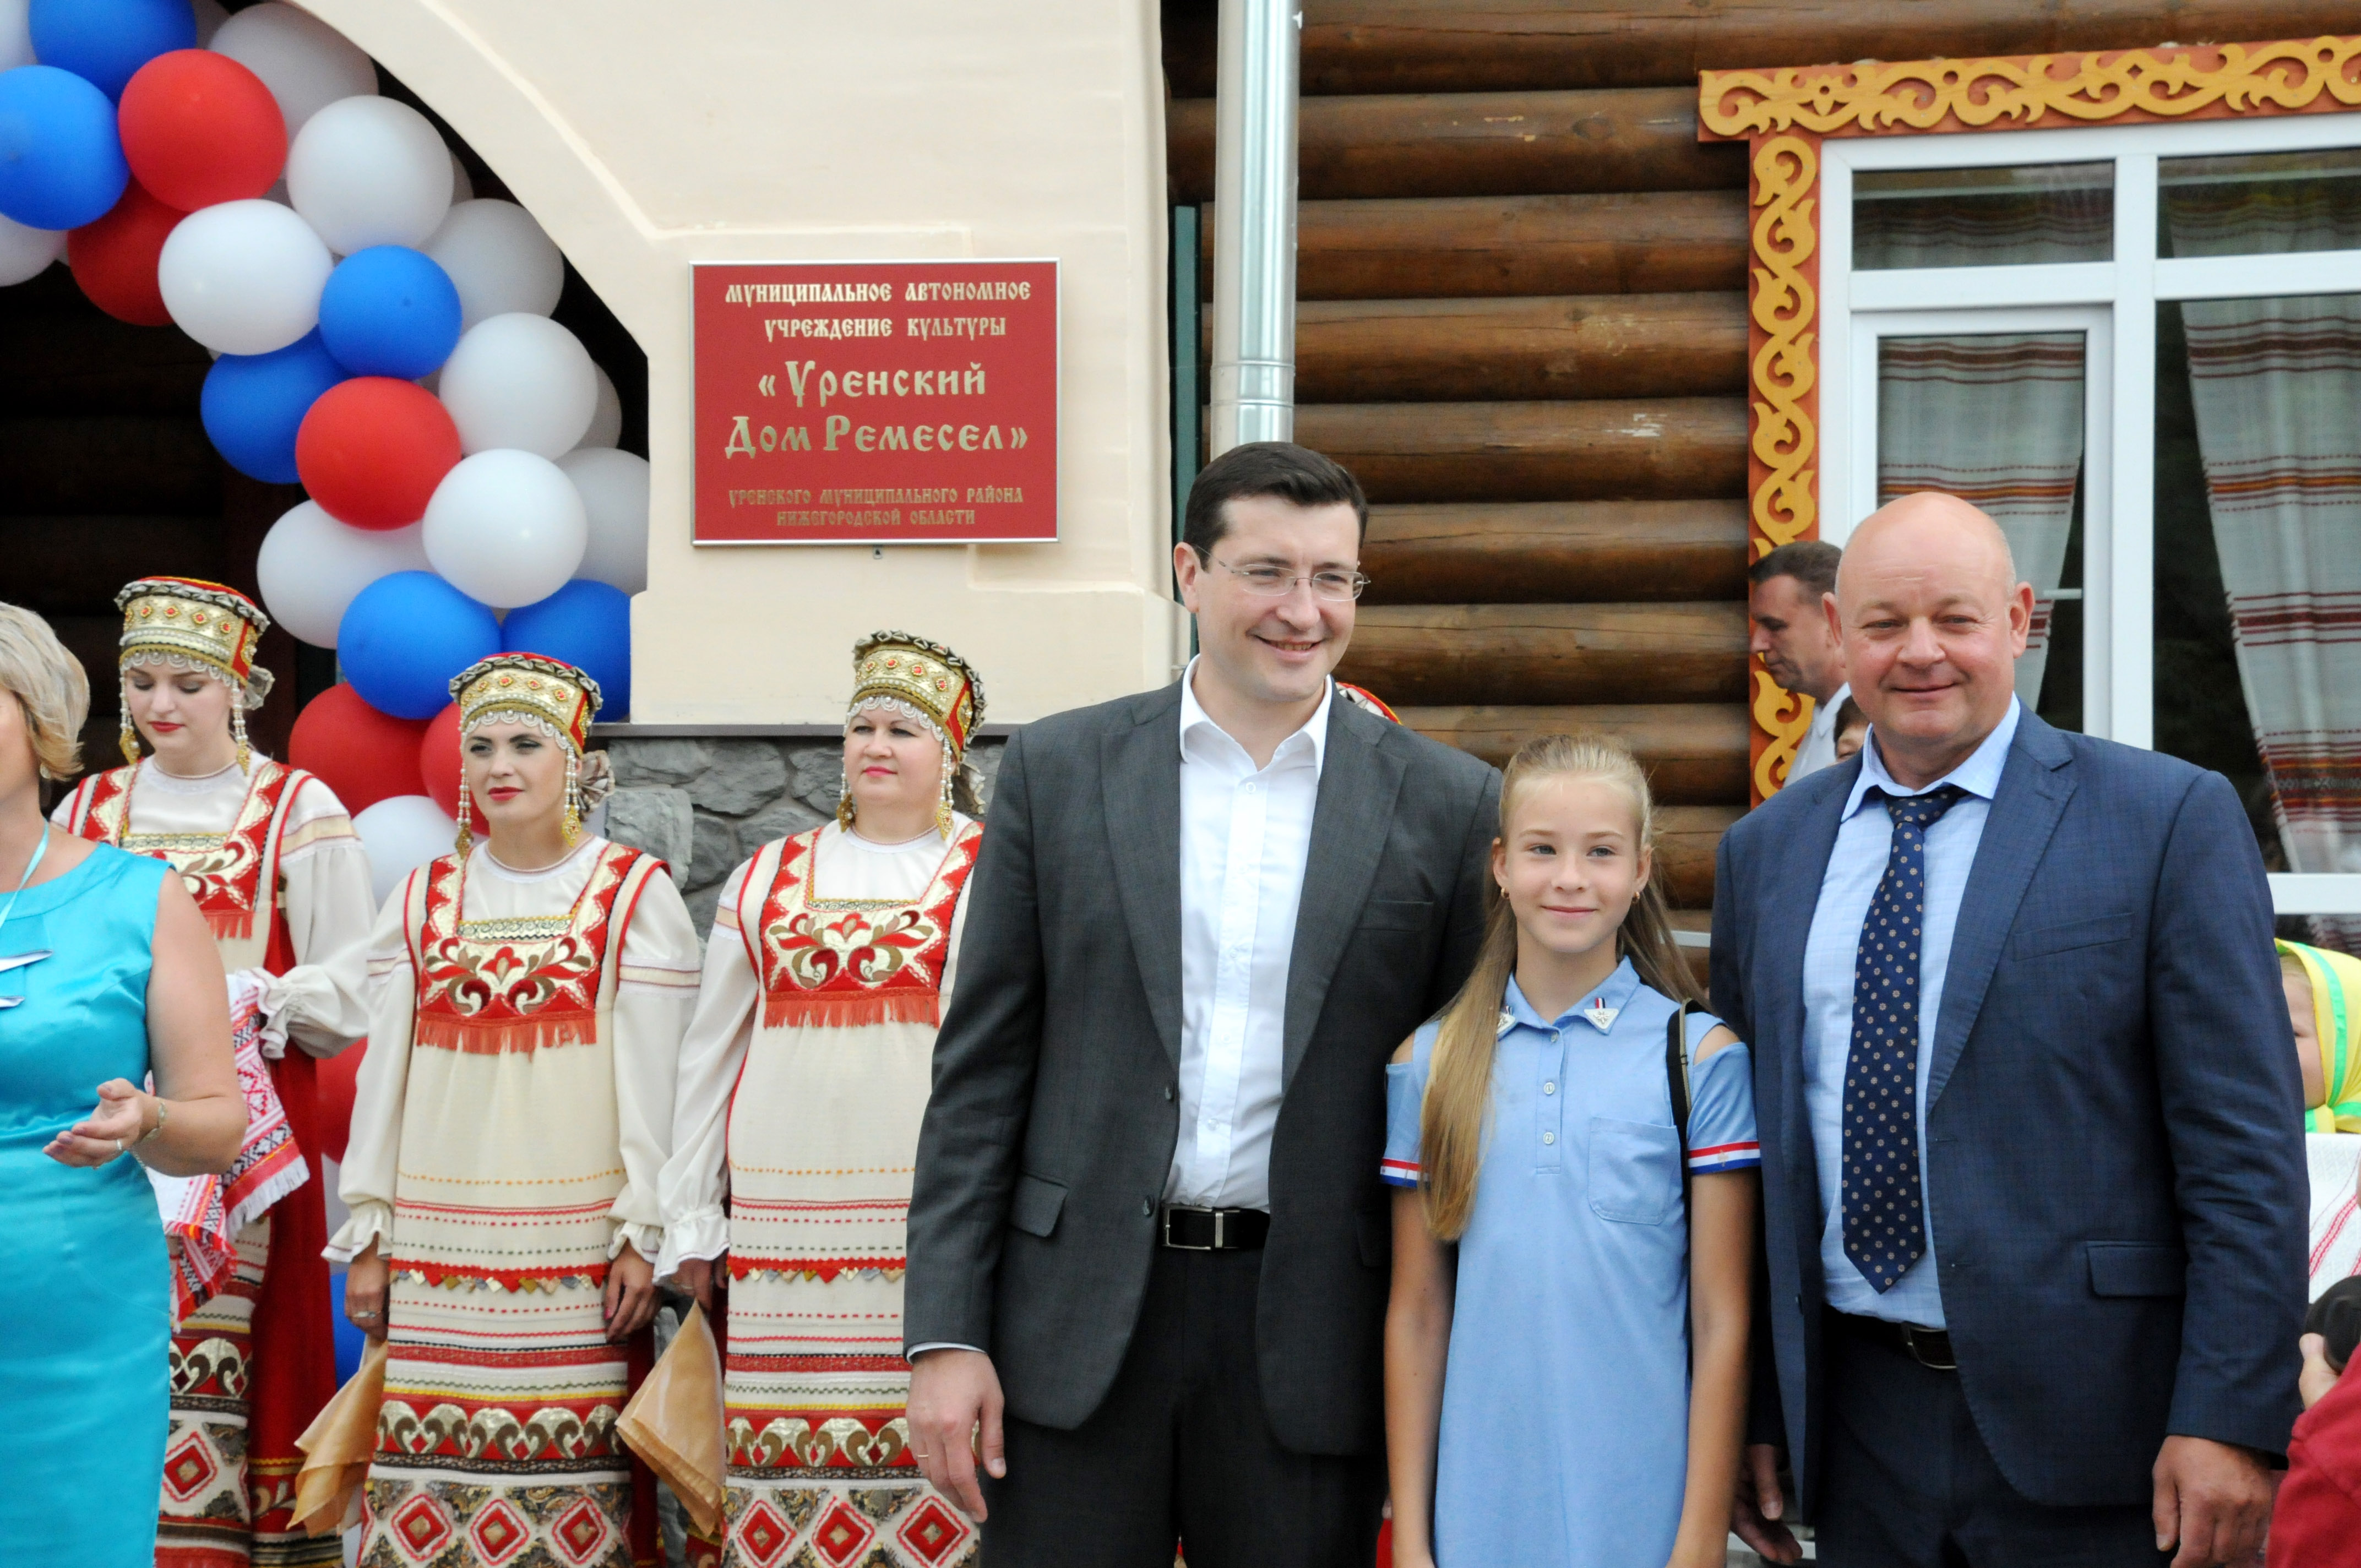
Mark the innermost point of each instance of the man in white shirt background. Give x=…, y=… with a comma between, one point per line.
x=1789, y=629
x=1148, y=1252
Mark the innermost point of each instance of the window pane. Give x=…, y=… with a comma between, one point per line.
x=1997, y=419
x=2259, y=567
x=2261, y=202
x=1983, y=217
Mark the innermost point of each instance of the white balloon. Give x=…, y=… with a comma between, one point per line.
x=401, y=833
x=506, y=527
x=607, y=422
x=243, y=277
x=306, y=64
x=211, y=15
x=614, y=486
x=370, y=171
x=462, y=188
x=498, y=260
x=15, y=34
x=311, y=567
x=26, y=253
x=520, y=381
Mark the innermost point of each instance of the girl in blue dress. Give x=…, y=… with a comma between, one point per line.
x=1566, y=1346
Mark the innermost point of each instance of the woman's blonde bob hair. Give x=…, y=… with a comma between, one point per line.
x=48, y=685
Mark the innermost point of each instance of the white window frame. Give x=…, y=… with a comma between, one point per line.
x=2115, y=303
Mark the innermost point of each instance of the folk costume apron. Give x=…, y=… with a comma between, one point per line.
x=496, y=1441
x=255, y=1361
x=823, y=1137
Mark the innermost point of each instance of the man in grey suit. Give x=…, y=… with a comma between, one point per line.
x=2033, y=1173
x=1148, y=1248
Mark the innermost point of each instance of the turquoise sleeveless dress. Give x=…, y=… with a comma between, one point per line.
x=85, y=1320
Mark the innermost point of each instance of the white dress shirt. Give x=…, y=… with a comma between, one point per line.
x=1244, y=834
x=1819, y=747
x=1856, y=865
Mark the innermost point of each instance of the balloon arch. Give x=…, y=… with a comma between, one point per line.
x=380, y=335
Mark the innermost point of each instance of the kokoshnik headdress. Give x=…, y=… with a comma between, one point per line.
x=926, y=683
x=545, y=695
x=188, y=624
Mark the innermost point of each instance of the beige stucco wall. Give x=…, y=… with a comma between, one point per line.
x=647, y=135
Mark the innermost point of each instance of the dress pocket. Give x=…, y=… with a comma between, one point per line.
x=1635, y=1171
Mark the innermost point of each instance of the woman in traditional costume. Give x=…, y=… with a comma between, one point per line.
x=283, y=883
x=803, y=1079
x=513, y=1116
x=107, y=977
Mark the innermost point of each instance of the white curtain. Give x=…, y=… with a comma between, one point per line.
x=1995, y=418
x=2277, y=386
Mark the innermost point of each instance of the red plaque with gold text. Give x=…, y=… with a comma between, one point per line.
x=876, y=402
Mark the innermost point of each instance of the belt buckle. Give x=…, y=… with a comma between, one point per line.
x=1910, y=1344
x=1172, y=1209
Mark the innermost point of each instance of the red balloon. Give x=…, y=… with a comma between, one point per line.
x=114, y=260
x=372, y=449
x=198, y=128
x=438, y=767
x=338, y=1078
x=364, y=755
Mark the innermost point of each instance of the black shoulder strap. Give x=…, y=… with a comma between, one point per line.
x=1676, y=1081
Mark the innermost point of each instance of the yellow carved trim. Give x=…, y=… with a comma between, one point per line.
x=2018, y=93
x=1785, y=504
x=1784, y=718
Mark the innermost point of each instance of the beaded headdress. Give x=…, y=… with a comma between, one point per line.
x=543, y=694
x=925, y=682
x=190, y=624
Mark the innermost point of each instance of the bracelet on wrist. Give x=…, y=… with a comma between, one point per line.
x=163, y=1114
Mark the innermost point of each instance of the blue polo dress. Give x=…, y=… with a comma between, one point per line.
x=1565, y=1398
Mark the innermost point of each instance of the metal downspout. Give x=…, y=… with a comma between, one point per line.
x=1253, y=392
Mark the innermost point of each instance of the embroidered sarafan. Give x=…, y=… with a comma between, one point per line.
x=523, y=984
x=849, y=960
x=231, y=876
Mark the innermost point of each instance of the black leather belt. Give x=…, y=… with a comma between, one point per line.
x=1213, y=1230
x=1931, y=1348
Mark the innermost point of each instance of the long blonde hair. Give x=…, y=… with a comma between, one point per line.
x=1459, y=1080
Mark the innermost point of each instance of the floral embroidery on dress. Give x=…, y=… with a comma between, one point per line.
x=519, y=983
x=224, y=873
x=849, y=961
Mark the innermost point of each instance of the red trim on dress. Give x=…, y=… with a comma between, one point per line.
x=845, y=963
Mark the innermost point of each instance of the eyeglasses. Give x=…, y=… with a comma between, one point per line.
x=1270, y=582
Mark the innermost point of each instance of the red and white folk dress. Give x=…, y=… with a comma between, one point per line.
x=803, y=1081
x=282, y=880
x=513, y=1116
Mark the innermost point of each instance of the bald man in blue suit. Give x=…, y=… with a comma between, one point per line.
x=2033, y=1172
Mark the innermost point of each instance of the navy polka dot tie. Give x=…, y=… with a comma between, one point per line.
x=1884, y=1218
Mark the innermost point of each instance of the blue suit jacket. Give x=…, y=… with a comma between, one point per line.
x=2114, y=1123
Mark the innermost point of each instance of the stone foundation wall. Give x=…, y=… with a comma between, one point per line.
x=705, y=804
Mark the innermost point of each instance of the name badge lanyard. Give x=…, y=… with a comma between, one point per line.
x=18, y=960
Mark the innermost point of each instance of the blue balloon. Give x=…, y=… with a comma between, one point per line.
x=587, y=624
x=254, y=403
x=104, y=42
x=390, y=310
x=61, y=156
x=404, y=636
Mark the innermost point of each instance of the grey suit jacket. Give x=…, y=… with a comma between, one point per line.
x=1055, y=1109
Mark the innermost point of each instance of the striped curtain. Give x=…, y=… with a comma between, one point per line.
x=1995, y=418
x=2277, y=387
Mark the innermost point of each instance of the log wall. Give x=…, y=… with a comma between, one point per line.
x=1522, y=323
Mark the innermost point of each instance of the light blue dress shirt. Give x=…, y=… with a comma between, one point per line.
x=1855, y=867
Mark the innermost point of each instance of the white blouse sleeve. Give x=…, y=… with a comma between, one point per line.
x=655, y=992
x=366, y=1178
x=322, y=1001
x=697, y=1177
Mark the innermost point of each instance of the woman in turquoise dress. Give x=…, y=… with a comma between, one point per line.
x=108, y=974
